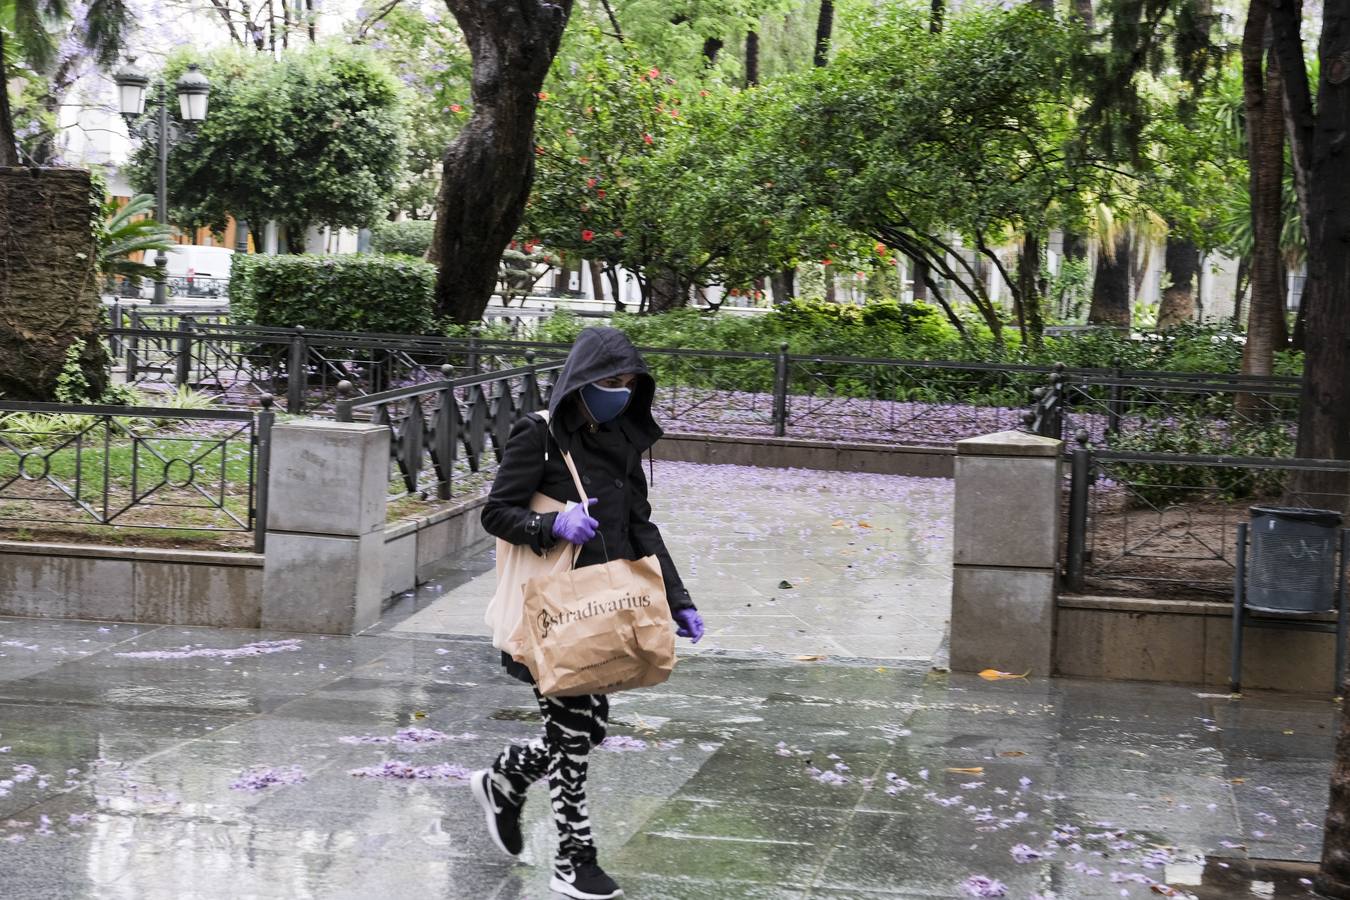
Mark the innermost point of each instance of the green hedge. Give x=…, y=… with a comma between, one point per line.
x=334, y=293
x=411, y=238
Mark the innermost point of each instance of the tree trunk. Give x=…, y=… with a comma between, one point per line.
x=489, y=167
x=1324, y=413
x=49, y=292
x=1263, y=103
x=1029, y=297
x=1083, y=12
x=597, y=279
x=1183, y=270
x=824, y=34
x=830, y=294
x=1111, y=286
x=667, y=293
x=711, y=47
x=1334, y=878
x=782, y=283
x=919, y=278
x=751, y=58
x=9, y=143
x=937, y=11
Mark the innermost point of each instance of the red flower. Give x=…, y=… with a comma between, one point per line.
x=587, y=235
x=647, y=138
x=590, y=182
x=538, y=151
x=881, y=249
x=600, y=194
x=618, y=233
x=703, y=93
x=826, y=261
x=455, y=107
x=543, y=95
x=653, y=73
x=584, y=160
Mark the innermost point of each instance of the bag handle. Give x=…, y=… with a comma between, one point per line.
x=581, y=492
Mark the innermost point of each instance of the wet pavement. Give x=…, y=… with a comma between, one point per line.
x=779, y=560
x=170, y=762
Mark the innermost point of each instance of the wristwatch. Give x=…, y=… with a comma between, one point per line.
x=533, y=523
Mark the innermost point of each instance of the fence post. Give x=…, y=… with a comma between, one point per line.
x=1004, y=579
x=1057, y=385
x=473, y=350
x=1116, y=403
x=324, y=569
x=297, y=372
x=132, y=344
x=115, y=343
x=183, y=360
x=1080, y=480
x=780, y=391
x=263, y=463
x=445, y=432
x=343, y=411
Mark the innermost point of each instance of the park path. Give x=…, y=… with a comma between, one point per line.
x=782, y=561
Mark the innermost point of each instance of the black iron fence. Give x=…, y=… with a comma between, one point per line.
x=154, y=468
x=442, y=432
x=1168, y=521
x=240, y=363
x=1133, y=409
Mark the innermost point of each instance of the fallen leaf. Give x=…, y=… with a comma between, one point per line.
x=973, y=770
x=785, y=585
x=1289, y=731
x=837, y=523
x=1165, y=890
x=419, y=715
x=864, y=525
x=1237, y=781
x=996, y=675
x=1013, y=753
x=808, y=657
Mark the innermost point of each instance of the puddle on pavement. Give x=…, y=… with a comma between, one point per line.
x=1244, y=879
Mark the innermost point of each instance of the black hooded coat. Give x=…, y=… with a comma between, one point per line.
x=608, y=458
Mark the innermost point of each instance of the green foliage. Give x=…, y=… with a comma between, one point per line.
x=71, y=384
x=122, y=232
x=1200, y=432
x=313, y=138
x=334, y=293
x=409, y=238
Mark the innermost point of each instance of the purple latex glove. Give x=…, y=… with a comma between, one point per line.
x=576, y=525
x=688, y=624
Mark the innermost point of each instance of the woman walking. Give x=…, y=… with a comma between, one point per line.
x=600, y=413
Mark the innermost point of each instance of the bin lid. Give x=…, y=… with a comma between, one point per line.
x=1328, y=517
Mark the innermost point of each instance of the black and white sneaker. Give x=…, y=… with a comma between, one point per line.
x=503, y=816
x=583, y=881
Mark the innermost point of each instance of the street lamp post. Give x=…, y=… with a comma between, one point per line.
x=193, y=90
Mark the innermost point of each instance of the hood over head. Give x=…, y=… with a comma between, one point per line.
x=597, y=354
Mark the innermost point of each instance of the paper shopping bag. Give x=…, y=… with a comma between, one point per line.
x=599, y=629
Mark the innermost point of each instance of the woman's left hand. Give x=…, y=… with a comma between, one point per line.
x=689, y=624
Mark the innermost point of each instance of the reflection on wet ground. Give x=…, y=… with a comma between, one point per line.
x=134, y=763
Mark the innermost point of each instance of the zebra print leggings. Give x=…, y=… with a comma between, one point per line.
x=572, y=726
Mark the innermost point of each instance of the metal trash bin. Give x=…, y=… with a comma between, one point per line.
x=1292, y=565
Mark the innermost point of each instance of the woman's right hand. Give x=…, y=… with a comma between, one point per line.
x=575, y=525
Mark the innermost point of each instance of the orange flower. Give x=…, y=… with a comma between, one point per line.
x=584, y=160
x=455, y=107
x=543, y=95
x=826, y=261
x=881, y=249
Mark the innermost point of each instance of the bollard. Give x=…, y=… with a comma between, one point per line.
x=183, y=357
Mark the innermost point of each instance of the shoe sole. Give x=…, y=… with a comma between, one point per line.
x=558, y=886
x=478, y=784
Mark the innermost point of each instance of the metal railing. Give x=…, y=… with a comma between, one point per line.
x=135, y=467
x=1169, y=520
x=442, y=431
x=1115, y=404
x=240, y=363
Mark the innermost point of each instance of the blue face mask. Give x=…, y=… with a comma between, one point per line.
x=604, y=403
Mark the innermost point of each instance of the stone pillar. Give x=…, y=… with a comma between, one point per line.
x=324, y=566
x=1006, y=552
